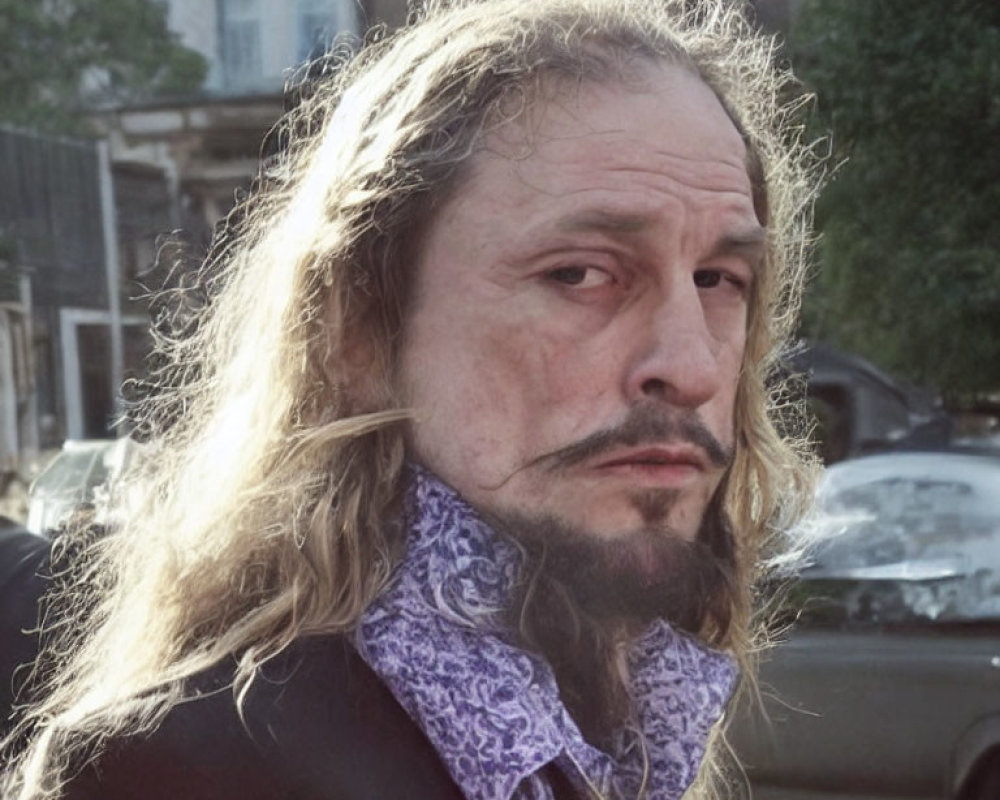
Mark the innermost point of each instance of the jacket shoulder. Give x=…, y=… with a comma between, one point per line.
x=317, y=724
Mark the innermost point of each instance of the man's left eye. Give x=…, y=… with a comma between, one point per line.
x=580, y=277
x=711, y=278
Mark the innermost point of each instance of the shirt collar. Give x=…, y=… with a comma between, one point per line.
x=491, y=709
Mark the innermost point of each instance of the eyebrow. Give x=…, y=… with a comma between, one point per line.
x=750, y=244
x=604, y=222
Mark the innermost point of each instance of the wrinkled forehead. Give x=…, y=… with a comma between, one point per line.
x=552, y=109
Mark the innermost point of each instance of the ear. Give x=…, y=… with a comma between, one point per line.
x=355, y=362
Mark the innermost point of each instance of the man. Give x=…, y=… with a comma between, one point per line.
x=461, y=480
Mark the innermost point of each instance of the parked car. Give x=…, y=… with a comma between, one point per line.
x=72, y=477
x=888, y=686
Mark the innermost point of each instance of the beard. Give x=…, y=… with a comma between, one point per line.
x=649, y=572
x=580, y=596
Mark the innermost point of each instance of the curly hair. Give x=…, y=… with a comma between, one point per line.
x=265, y=509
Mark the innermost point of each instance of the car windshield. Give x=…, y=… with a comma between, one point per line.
x=908, y=537
x=69, y=480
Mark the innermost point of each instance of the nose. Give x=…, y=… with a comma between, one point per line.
x=675, y=358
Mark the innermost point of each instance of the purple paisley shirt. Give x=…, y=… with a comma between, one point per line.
x=492, y=710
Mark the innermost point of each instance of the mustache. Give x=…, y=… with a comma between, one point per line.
x=643, y=425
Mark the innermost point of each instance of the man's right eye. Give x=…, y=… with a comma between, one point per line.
x=582, y=277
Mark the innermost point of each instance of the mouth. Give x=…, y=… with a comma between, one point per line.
x=681, y=457
x=668, y=467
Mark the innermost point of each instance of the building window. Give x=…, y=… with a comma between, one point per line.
x=319, y=22
x=239, y=27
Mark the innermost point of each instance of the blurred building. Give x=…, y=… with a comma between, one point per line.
x=79, y=216
x=57, y=315
x=180, y=161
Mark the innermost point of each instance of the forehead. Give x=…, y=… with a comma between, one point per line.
x=656, y=113
x=656, y=152
x=643, y=143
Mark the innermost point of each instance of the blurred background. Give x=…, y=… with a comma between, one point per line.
x=122, y=121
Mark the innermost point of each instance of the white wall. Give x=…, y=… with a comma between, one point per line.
x=196, y=24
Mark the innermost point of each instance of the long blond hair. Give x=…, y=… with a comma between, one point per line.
x=265, y=509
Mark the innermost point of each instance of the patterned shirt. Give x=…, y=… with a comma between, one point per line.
x=492, y=709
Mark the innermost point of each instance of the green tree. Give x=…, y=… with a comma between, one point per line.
x=60, y=57
x=910, y=250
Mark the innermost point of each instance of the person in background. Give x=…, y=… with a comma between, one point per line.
x=464, y=468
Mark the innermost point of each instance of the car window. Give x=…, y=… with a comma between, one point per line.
x=68, y=480
x=910, y=538
x=71, y=470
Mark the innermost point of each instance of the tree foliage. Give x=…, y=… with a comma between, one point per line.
x=59, y=57
x=910, y=250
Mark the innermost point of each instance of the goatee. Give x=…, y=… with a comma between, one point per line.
x=579, y=592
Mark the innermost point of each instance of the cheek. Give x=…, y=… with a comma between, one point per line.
x=469, y=383
x=497, y=394
x=560, y=380
x=525, y=377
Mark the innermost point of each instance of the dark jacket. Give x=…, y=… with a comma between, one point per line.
x=23, y=558
x=320, y=725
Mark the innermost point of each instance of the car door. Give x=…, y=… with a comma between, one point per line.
x=870, y=713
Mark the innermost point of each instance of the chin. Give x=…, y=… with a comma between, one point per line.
x=629, y=516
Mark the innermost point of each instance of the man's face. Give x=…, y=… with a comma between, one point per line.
x=579, y=316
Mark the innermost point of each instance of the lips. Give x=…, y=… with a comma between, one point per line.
x=653, y=457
